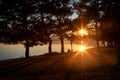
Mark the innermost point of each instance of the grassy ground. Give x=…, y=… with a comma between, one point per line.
x=88, y=65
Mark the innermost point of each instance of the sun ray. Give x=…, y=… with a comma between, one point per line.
x=84, y=59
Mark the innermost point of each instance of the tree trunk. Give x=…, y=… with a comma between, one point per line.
x=97, y=42
x=50, y=46
x=97, y=39
x=62, y=44
x=27, y=49
x=71, y=45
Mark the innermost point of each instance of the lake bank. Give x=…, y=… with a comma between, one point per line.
x=90, y=65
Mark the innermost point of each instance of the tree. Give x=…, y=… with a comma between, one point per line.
x=105, y=18
x=22, y=24
x=61, y=13
x=71, y=29
x=90, y=10
x=50, y=34
x=70, y=36
x=3, y=28
x=48, y=18
x=111, y=25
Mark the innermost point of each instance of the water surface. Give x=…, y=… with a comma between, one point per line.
x=17, y=51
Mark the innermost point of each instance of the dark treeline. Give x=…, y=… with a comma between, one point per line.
x=35, y=22
x=103, y=19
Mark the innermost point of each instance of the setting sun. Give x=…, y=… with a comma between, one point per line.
x=82, y=48
x=83, y=32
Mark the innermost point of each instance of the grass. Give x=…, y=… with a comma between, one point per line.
x=88, y=65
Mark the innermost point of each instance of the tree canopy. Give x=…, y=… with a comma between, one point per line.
x=32, y=22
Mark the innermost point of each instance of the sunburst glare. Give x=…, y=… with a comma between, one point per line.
x=82, y=48
x=83, y=32
x=84, y=58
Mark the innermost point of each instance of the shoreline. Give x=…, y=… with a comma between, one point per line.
x=69, y=66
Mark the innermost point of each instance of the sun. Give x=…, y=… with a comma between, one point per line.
x=82, y=48
x=83, y=32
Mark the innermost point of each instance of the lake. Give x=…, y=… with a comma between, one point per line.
x=17, y=51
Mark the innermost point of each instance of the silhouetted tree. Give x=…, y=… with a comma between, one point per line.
x=71, y=29
x=22, y=26
x=111, y=25
x=90, y=10
x=61, y=13
x=70, y=36
x=105, y=14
